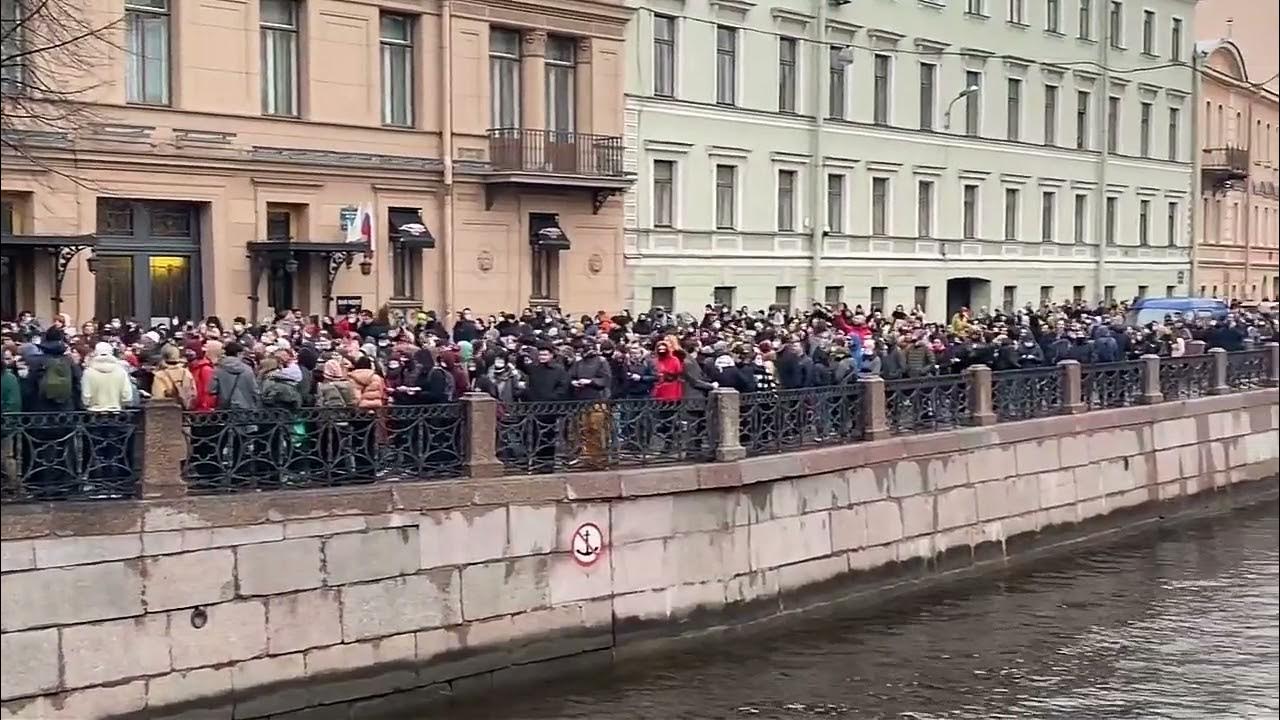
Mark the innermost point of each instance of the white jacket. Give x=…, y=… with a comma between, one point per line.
x=105, y=386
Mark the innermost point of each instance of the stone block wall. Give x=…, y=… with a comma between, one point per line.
x=265, y=604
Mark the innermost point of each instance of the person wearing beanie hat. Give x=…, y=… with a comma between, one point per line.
x=105, y=386
x=335, y=390
x=173, y=381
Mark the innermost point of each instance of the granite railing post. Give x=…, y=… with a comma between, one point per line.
x=1071, y=382
x=481, y=413
x=875, y=426
x=163, y=445
x=981, y=409
x=1151, y=393
x=1272, y=378
x=1218, y=372
x=726, y=406
x=1195, y=347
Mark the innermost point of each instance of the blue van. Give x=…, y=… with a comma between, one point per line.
x=1148, y=310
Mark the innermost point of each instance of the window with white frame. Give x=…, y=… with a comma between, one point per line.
x=928, y=94
x=664, y=180
x=1174, y=133
x=1082, y=120
x=1018, y=12
x=1085, y=20
x=278, y=25
x=726, y=197
x=786, y=200
x=1013, y=110
x=1012, y=201
x=1175, y=39
x=882, y=89
x=1111, y=219
x=973, y=103
x=1080, y=219
x=504, y=78
x=1144, y=129
x=1144, y=222
x=396, y=43
x=786, y=74
x=879, y=206
x=836, y=90
x=146, y=35
x=969, y=212
x=975, y=7
x=1053, y=16
x=726, y=65
x=835, y=203
x=1149, y=32
x=1115, y=24
x=924, y=208
x=561, y=88
x=13, y=46
x=1050, y=115
x=664, y=56
x=1048, y=215
x=1171, y=223
x=1113, y=123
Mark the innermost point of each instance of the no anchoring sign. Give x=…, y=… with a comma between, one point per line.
x=588, y=544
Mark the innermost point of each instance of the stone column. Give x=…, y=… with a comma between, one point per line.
x=1218, y=372
x=725, y=406
x=481, y=412
x=583, y=96
x=874, y=424
x=1150, y=380
x=533, y=80
x=1071, y=385
x=980, y=407
x=163, y=445
x=1195, y=347
x=1272, y=378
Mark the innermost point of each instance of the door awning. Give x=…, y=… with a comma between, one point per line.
x=545, y=232
x=49, y=242
x=408, y=229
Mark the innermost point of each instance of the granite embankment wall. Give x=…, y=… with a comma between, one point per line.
x=264, y=604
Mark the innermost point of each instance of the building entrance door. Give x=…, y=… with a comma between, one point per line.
x=148, y=261
x=973, y=293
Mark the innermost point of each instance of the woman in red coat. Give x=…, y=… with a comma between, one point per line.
x=669, y=370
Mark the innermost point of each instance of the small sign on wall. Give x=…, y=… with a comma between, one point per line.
x=349, y=304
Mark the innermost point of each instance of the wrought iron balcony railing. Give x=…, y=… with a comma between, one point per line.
x=555, y=152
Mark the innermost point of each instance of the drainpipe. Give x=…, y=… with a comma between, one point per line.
x=818, y=181
x=1101, y=223
x=1196, y=151
x=446, y=147
x=1248, y=198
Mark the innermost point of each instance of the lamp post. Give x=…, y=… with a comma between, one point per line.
x=946, y=117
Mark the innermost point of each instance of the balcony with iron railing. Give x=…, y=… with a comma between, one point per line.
x=1223, y=164
x=564, y=158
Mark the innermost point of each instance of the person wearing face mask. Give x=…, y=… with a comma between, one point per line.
x=503, y=382
x=591, y=380
x=548, y=381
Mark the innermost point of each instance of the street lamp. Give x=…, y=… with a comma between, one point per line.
x=946, y=117
x=91, y=263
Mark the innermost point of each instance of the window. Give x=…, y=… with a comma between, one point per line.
x=1113, y=123
x=1018, y=12
x=726, y=65
x=1144, y=130
x=928, y=74
x=1086, y=20
x=664, y=56
x=1011, y=197
x=1115, y=24
x=13, y=30
x=1144, y=222
x=881, y=99
x=1080, y=220
x=1144, y=290
x=975, y=7
x=786, y=200
x=1014, y=110
x=279, y=28
x=662, y=297
x=879, y=206
x=1010, y=297
x=561, y=104
x=504, y=78
x=924, y=208
x=970, y=219
x=664, y=178
x=1077, y=292
x=877, y=298
x=1050, y=114
x=114, y=290
x=833, y=294
x=1109, y=294
x=1175, y=39
x=726, y=197
x=1173, y=133
x=1112, y=217
x=397, y=70
x=1082, y=120
x=1048, y=215
x=921, y=298
x=1053, y=16
x=784, y=295
x=146, y=35
x=835, y=98
x=723, y=295
x=835, y=203
x=972, y=102
x=786, y=74
x=1046, y=294
x=1149, y=32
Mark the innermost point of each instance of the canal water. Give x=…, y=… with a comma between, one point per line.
x=1178, y=623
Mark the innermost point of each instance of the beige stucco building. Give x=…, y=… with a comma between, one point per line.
x=1238, y=246
x=227, y=145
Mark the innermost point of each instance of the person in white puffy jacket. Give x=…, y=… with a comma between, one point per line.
x=105, y=386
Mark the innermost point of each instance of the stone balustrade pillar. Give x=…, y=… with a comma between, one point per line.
x=725, y=404
x=875, y=425
x=1070, y=382
x=1195, y=347
x=162, y=443
x=481, y=413
x=1218, y=372
x=1150, y=381
x=1272, y=378
x=981, y=409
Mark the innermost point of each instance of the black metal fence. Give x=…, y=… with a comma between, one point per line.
x=925, y=404
x=70, y=455
x=1186, y=377
x=1246, y=369
x=1025, y=394
x=267, y=449
x=1111, y=385
x=579, y=435
x=774, y=422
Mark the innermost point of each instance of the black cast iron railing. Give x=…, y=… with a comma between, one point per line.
x=1024, y=394
x=774, y=422
x=1246, y=369
x=580, y=435
x=271, y=449
x=1111, y=385
x=559, y=152
x=925, y=404
x=70, y=455
x=1186, y=377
